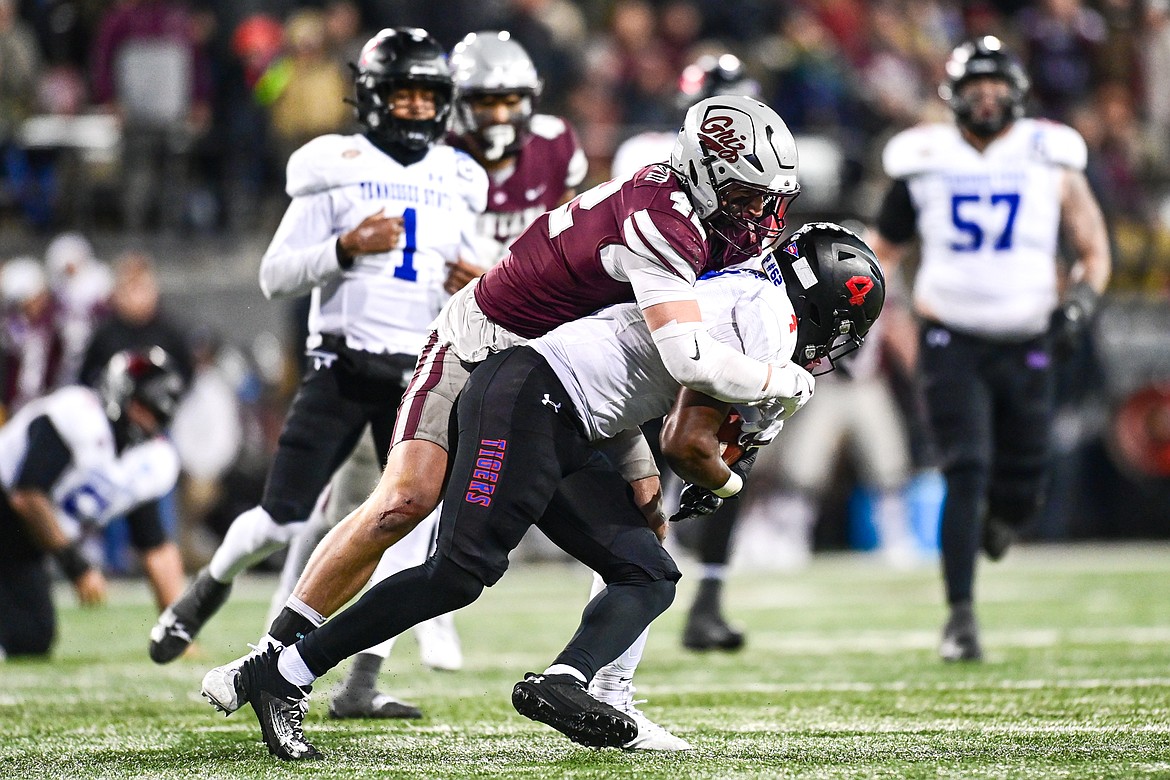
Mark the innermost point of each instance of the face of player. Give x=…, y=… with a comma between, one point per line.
x=412, y=101
x=990, y=98
x=491, y=110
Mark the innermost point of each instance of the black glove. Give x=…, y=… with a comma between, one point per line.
x=1071, y=319
x=698, y=501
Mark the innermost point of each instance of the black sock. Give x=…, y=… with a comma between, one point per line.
x=363, y=672
x=612, y=621
x=290, y=626
x=709, y=598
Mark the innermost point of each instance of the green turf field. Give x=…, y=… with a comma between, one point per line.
x=840, y=679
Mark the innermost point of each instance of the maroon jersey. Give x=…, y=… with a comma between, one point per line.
x=550, y=162
x=563, y=266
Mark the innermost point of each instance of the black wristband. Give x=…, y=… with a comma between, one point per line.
x=72, y=562
x=344, y=259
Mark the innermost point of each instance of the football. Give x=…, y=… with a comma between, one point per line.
x=728, y=435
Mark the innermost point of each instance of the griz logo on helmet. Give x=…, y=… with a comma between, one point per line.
x=719, y=133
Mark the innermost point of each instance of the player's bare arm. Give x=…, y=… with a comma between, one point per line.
x=690, y=439
x=1084, y=226
x=40, y=517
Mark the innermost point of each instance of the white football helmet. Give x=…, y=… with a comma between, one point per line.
x=491, y=63
x=732, y=149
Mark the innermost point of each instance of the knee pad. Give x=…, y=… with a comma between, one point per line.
x=452, y=584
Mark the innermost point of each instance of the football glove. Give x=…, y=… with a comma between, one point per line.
x=698, y=501
x=760, y=424
x=1070, y=321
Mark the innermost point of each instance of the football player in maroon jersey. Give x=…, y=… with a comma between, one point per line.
x=720, y=200
x=534, y=161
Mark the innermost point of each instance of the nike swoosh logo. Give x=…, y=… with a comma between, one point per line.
x=696, y=355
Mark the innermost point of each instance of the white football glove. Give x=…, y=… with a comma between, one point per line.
x=760, y=424
x=794, y=387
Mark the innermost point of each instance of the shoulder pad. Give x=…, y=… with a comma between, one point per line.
x=1058, y=144
x=76, y=412
x=321, y=163
x=547, y=126
x=472, y=178
x=919, y=150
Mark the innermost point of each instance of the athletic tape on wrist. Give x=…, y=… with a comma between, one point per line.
x=733, y=485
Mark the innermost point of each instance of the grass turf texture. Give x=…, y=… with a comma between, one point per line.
x=839, y=680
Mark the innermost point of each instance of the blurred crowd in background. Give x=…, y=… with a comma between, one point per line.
x=127, y=123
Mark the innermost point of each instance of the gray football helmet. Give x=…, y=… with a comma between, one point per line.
x=486, y=64
x=732, y=146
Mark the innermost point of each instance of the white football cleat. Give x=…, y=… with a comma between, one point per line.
x=438, y=643
x=221, y=684
x=620, y=695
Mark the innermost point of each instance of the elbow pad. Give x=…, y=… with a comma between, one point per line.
x=699, y=362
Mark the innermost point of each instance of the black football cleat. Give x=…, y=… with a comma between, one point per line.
x=180, y=623
x=561, y=701
x=960, y=639
x=708, y=631
x=280, y=707
x=998, y=536
x=354, y=703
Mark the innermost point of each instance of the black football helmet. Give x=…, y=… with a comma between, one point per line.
x=397, y=57
x=979, y=58
x=149, y=376
x=712, y=75
x=836, y=287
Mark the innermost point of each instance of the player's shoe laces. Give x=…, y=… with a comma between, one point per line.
x=221, y=685
x=280, y=706
x=438, y=643
x=561, y=701
x=709, y=631
x=352, y=702
x=179, y=624
x=960, y=639
x=998, y=536
x=619, y=693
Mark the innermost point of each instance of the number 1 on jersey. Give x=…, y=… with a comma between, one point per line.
x=406, y=270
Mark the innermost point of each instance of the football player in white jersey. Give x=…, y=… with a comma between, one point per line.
x=534, y=163
x=374, y=221
x=527, y=420
x=74, y=460
x=986, y=198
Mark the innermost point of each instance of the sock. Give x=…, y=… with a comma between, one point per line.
x=566, y=669
x=252, y=537
x=363, y=672
x=292, y=667
x=709, y=598
x=292, y=624
x=714, y=571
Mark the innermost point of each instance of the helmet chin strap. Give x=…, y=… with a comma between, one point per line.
x=496, y=140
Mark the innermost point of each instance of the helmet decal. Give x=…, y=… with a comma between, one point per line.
x=724, y=140
x=859, y=287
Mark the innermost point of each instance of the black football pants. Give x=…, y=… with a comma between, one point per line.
x=331, y=407
x=521, y=459
x=990, y=410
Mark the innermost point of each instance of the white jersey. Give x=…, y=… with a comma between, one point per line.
x=611, y=368
x=99, y=484
x=639, y=151
x=385, y=302
x=988, y=222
